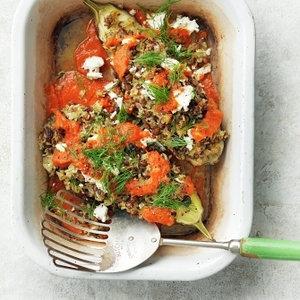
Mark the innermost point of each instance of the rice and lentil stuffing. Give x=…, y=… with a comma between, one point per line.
x=140, y=101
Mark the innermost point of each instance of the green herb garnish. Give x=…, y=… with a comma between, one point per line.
x=166, y=6
x=189, y=125
x=120, y=180
x=160, y=94
x=176, y=74
x=47, y=198
x=150, y=59
x=73, y=152
x=89, y=209
x=165, y=197
x=108, y=160
x=105, y=158
x=60, y=75
x=122, y=115
x=109, y=163
x=175, y=142
x=178, y=52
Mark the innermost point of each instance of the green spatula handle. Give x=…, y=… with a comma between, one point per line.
x=270, y=249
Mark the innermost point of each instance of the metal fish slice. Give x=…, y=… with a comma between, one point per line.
x=77, y=243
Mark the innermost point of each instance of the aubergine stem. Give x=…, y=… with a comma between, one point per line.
x=193, y=216
x=199, y=225
x=94, y=7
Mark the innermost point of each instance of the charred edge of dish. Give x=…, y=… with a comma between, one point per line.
x=65, y=20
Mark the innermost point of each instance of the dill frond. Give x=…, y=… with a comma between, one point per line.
x=73, y=152
x=89, y=209
x=122, y=115
x=150, y=59
x=178, y=52
x=166, y=6
x=160, y=94
x=189, y=125
x=176, y=74
x=176, y=142
x=47, y=198
x=60, y=75
x=165, y=197
x=121, y=180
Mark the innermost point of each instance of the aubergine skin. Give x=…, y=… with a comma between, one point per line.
x=112, y=21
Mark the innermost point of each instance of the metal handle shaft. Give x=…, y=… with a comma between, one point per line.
x=233, y=246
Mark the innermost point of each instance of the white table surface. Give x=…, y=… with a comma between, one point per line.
x=276, y=184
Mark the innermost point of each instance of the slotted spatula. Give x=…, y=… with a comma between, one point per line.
x=74, y=242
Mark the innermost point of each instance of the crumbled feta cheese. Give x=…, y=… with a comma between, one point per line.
x=128, y=40
x=141, y=205
x=61, y=147
x=147, y=140
x=189, y=133
x=186, y=23
x=113, y=115
x=132, y=12
x=110, y=85
x=92, y=180
x=93, y=138
x=157, y=20
x=202, y=71
x=93, y=65
x=169, y=63
x=146, y=91
x=183, y=96
x=100, y=212
x=133, y=69
x=189, y=142
x=179, y=180
x=118, y=100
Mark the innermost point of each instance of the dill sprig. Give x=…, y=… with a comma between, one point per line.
x=47, y=198
x=105, y=158
x=122, y=115
x=60, y=75
x=87, y=132
x=160, y=94
x=73, y=152
x=108, y=161
x=176, y=74
x=173, y=49
x=150, y=59
x=166, y=6
x=74, y=183
x=89, y=209
x=120, y=180
x=175, y=142
x=79, y=82
x=178, y=52
x=189, y=125
x=165, y=197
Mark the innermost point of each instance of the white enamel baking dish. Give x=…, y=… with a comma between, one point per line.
x=232, y=184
